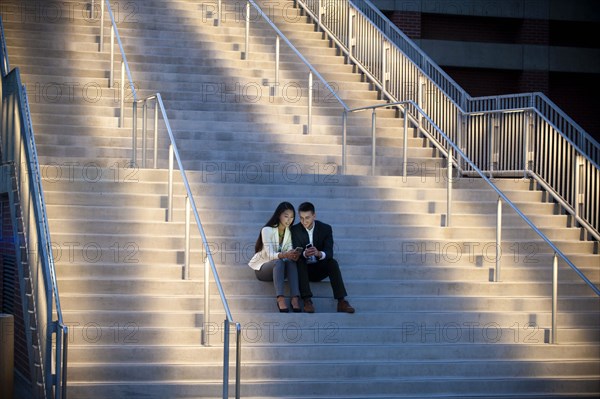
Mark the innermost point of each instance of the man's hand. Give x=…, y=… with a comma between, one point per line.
x=312, y=251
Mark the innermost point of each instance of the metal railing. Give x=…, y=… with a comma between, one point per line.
x=19, y=149
x=455, y=154
x=515, y=135
x=426, y=125
x=279, y=36
x=190, y=204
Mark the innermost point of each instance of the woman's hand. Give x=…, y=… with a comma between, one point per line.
x=292, y=254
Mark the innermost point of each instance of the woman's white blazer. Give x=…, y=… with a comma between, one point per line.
x=270, y=251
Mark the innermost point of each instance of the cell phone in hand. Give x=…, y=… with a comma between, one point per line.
x=312, y=258
x=298, y=249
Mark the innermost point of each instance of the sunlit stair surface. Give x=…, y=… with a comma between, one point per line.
x=430, y=321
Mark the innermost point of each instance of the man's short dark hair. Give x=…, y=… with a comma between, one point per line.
x=306, y=207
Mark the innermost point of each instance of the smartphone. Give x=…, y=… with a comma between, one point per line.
x=309, y=245
x=298, y=249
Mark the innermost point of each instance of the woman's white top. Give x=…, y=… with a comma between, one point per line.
x=271, y=249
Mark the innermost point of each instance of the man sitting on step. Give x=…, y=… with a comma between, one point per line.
x=317, y=262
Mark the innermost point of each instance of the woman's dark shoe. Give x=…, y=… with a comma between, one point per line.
x=281, y=305
x=296, y=305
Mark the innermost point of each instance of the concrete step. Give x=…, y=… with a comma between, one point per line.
x=355, y=388
x=282, y=370
x=264, y=303
x=356, y=287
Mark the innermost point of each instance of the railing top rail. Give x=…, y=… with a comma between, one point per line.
x=121, y=49
x=193, y=207
x=559, y=110
x=504, y=197
x=298, y=54
x=40, y=204
x=375, y=106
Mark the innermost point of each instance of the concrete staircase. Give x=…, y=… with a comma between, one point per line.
x=429, y=322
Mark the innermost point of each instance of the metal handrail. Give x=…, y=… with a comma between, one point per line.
x=31, y=193
x=540, y=181
x=460, y=96
x=190, y=206
x=114, y=34
x=280, y=36
x=42, y=219
x=502, y=197
x=416, y=77
x=209, y=264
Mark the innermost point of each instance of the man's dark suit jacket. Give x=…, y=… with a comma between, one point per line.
x=322, y=237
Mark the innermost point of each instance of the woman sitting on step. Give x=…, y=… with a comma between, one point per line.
x=275, y=259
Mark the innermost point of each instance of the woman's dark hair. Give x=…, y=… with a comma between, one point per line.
x=274, y=222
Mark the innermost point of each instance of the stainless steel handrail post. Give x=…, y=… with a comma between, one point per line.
x=310, y=100
x=576, y=185
x=144, y=132
x=205, y=335
x=238, y=359
x=57, y=359
x=384, y=72
x=449, y=188
x=319, y=12
x=92, y=6
x=373, y=141
x=226, y=360
x=101, y=26
x=276, y=88
x=134, y=135
x=219, y=13
x=111, y=79
x=498, y=238
x=554, y=298
x=344, y=146
x=170, y=186
x=247, y=30
x=186, y=265
x=459, y=136
x=122, y=104
x=155, y=134
x=65, y=359
x=526, y=138
x=405, y=144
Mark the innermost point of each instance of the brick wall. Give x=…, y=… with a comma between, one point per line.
x=470, y=29
x=484, y=82
x=533, y=81
x=409, y=22
x=574, y=93
x=535, y=31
